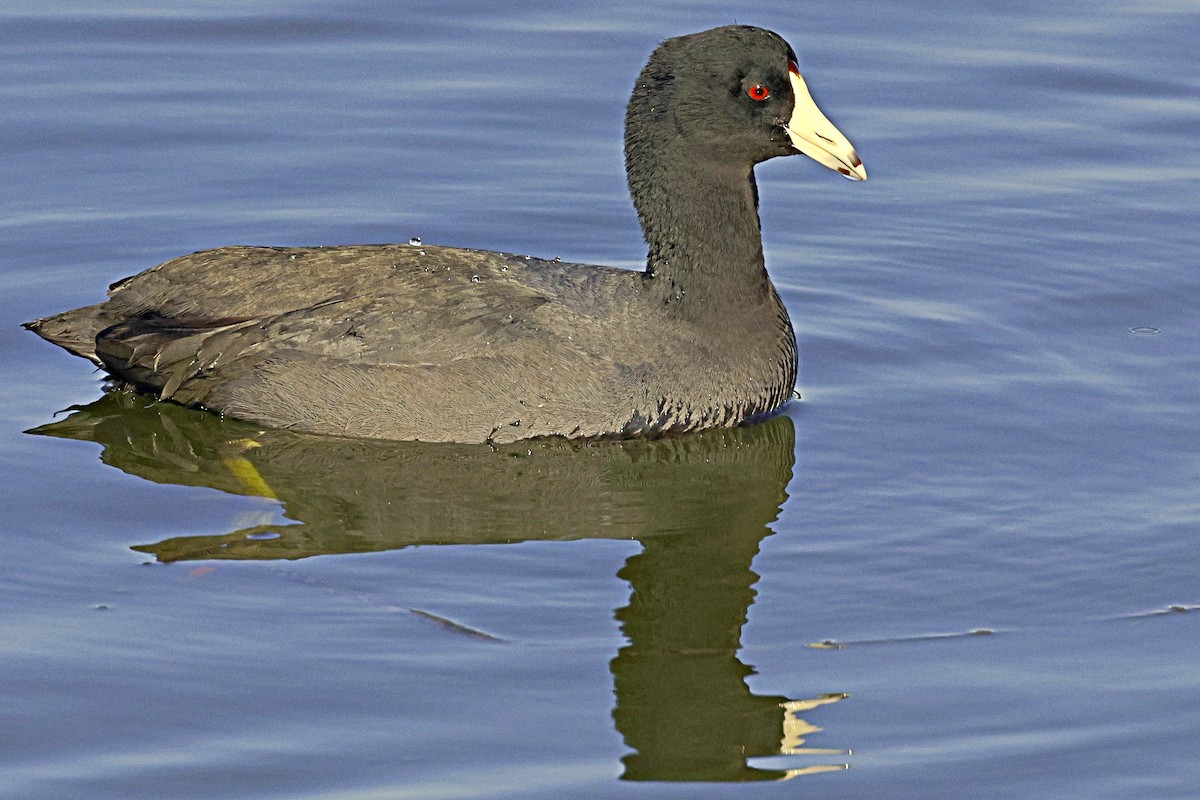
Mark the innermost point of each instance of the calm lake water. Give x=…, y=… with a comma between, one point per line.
x=1000, y=430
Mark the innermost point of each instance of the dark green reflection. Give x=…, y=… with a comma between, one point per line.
x=683, y=704
x=699, y=504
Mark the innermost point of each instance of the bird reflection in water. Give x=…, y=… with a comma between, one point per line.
x=700, y=505
x=683, y=703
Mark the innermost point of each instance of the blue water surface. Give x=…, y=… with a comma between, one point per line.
x=963, y=565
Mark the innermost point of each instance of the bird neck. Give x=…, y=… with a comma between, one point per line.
x=700, y=221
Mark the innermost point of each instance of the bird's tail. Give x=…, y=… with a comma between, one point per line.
x=75, y=330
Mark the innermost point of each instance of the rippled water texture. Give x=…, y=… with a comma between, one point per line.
x=999, y=435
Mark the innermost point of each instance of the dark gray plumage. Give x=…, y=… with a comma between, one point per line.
x=438, y=344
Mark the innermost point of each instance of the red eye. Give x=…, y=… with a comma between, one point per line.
x=758, y=92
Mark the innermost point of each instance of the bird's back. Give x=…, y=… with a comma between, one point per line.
x=385, y=341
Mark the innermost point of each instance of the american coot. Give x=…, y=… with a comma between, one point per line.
x=411, y=341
